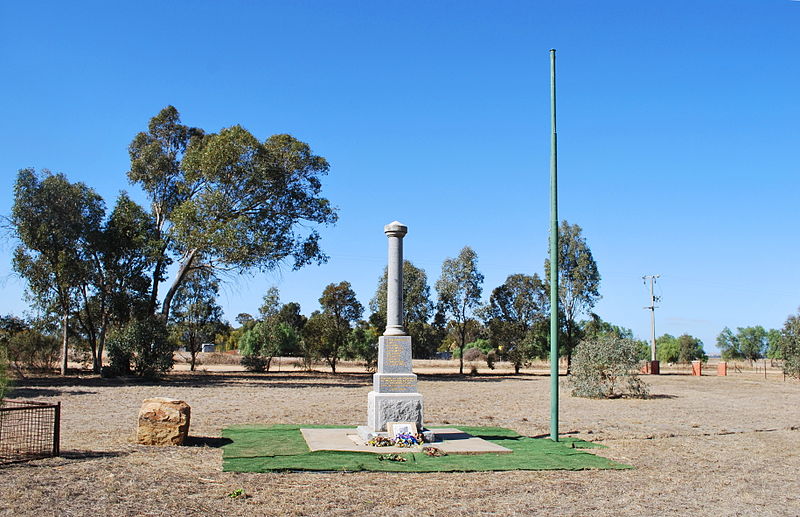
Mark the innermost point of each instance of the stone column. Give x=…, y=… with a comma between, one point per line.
x=395, y=231
x=394, y=396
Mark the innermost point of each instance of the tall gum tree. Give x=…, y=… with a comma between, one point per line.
x=459, y=288
x=237, y=202
x=516, y=309
x=196, y=317
x=341, y=309
x=116, y=289
x=90, y=269
x=578, y=284
x=53, y=220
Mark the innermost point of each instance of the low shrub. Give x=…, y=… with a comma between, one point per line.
x=256, y=363
x=607, y=367
x=474, y=354
x=491, y=357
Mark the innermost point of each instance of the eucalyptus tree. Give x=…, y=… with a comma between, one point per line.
x=271, y=304
x=340, y=310
x=459, y=288
x=774, y=351
x=681, y=349
x=362, y=343
x=753, y=342
x=276, y=332
x=119, y=257
x=578, y=284
x=196, y=317
x=244, y=318
x=516, y=316
x=92, y=269
x=728, y=345
x=54, y=221
x=290, y=315
x=227, y=201
x=790, y=346
x=749, y=343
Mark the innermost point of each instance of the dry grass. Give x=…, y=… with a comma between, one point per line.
x=724, y=445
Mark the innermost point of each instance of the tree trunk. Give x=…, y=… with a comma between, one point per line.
x=569, y=348
x=101, y=344
x=64, y=327
x=462, y=336
x=193, y=354
x=88, y=326
x=154, y=289
x=97, y=362
x=179, y=278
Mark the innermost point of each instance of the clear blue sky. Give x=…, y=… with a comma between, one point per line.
x=679, y=131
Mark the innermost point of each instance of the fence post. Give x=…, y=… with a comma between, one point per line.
x=57, y=430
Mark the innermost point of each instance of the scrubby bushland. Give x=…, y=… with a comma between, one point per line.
x=32, y=350
x=607, y=367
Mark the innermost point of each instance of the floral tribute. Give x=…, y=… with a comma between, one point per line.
x=401, y=440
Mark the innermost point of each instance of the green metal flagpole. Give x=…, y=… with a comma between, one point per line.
x=553, y=255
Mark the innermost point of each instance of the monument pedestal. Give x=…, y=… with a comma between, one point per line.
x=394, y=397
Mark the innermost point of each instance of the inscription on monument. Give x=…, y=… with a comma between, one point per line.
x=385, y=383
x=394, y=354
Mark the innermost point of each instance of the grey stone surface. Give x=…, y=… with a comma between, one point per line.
x=395, y=231
x=394, y=354
x=393, y=407
x=394, y=383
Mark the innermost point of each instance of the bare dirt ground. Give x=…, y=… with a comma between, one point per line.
x=702, y=445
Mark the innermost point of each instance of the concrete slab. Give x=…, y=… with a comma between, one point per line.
x=449, y=440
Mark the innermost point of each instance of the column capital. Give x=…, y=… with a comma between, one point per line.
x=395, y=229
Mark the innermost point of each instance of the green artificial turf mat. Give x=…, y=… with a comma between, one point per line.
x=257, y=448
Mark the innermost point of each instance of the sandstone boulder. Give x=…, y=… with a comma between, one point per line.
x=163, y=421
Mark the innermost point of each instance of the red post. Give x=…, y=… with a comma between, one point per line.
x=651, y=368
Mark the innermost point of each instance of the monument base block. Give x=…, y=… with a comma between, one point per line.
x=383, y=408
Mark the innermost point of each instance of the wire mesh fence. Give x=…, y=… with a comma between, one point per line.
x=29, y=430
